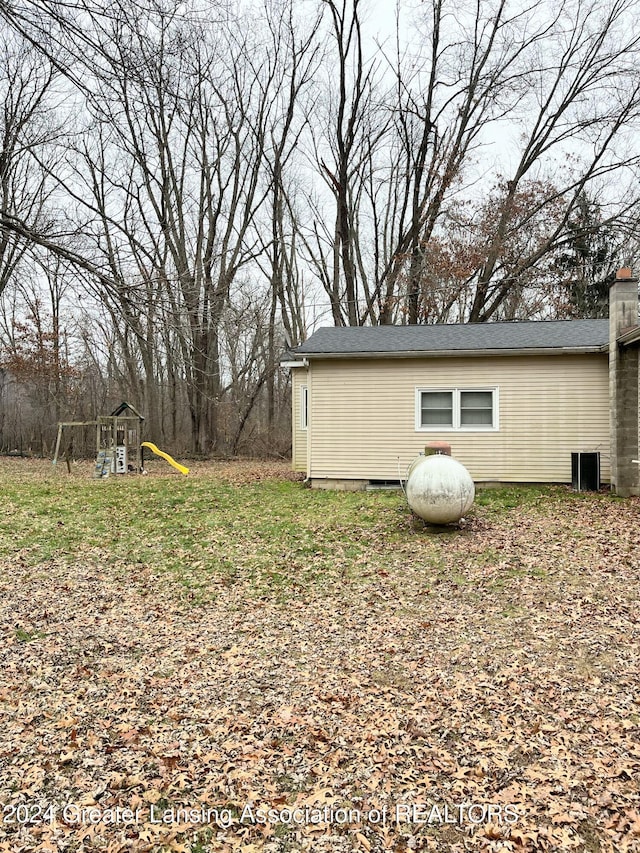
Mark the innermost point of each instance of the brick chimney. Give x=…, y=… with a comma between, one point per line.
x=623, y=384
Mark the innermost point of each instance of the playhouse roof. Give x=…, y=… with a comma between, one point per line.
x=123, y=408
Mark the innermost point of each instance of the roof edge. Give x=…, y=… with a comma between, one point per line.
x=295, y=363
x=475, y=353
x=631, y=336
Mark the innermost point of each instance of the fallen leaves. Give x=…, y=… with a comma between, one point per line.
x=497, y=665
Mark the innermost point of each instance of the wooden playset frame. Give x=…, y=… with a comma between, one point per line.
x=118, y=441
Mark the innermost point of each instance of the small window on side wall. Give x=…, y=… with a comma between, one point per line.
x=468, y=409
x=436, y=409
x=304, y=407
x=476, y=409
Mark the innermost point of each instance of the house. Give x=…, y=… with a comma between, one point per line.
x=514, y=400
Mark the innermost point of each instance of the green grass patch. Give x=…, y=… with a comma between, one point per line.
x=203, y=533
x=499, y=499
x=275, y=533
x=28, y=636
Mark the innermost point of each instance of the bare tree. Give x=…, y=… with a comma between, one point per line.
x=192, y=127
x=292, y=53
x=346, y=124
x=557, y=84
x=221, y=176
x=581, y=101
x=27, y=130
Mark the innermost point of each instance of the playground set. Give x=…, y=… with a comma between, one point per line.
x=119, y=445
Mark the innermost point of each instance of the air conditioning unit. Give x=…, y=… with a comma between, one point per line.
x=585, y=471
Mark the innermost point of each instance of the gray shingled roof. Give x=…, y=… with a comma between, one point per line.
x=469, y=337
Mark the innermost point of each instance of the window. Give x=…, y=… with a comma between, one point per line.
x=436, y=409
x=476, y=408
x=457, y=409
x=304, y=407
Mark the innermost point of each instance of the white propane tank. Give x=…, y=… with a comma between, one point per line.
x=439, y=489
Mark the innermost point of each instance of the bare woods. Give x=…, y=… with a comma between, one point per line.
x=188, y=188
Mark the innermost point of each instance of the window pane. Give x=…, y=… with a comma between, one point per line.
x=437, y=417
x=476, y=417
x=476, y=399
x=437, y=399
x=437, y=408
x=476, y=408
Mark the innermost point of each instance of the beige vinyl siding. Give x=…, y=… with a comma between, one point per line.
x=300, y=378
x=363, y=415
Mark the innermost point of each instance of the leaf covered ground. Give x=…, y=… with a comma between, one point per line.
x=229, y=661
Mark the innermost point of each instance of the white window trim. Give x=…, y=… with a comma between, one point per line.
x=304, y=407
x=457, y=427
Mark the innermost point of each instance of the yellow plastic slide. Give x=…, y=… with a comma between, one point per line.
x=169, y=459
